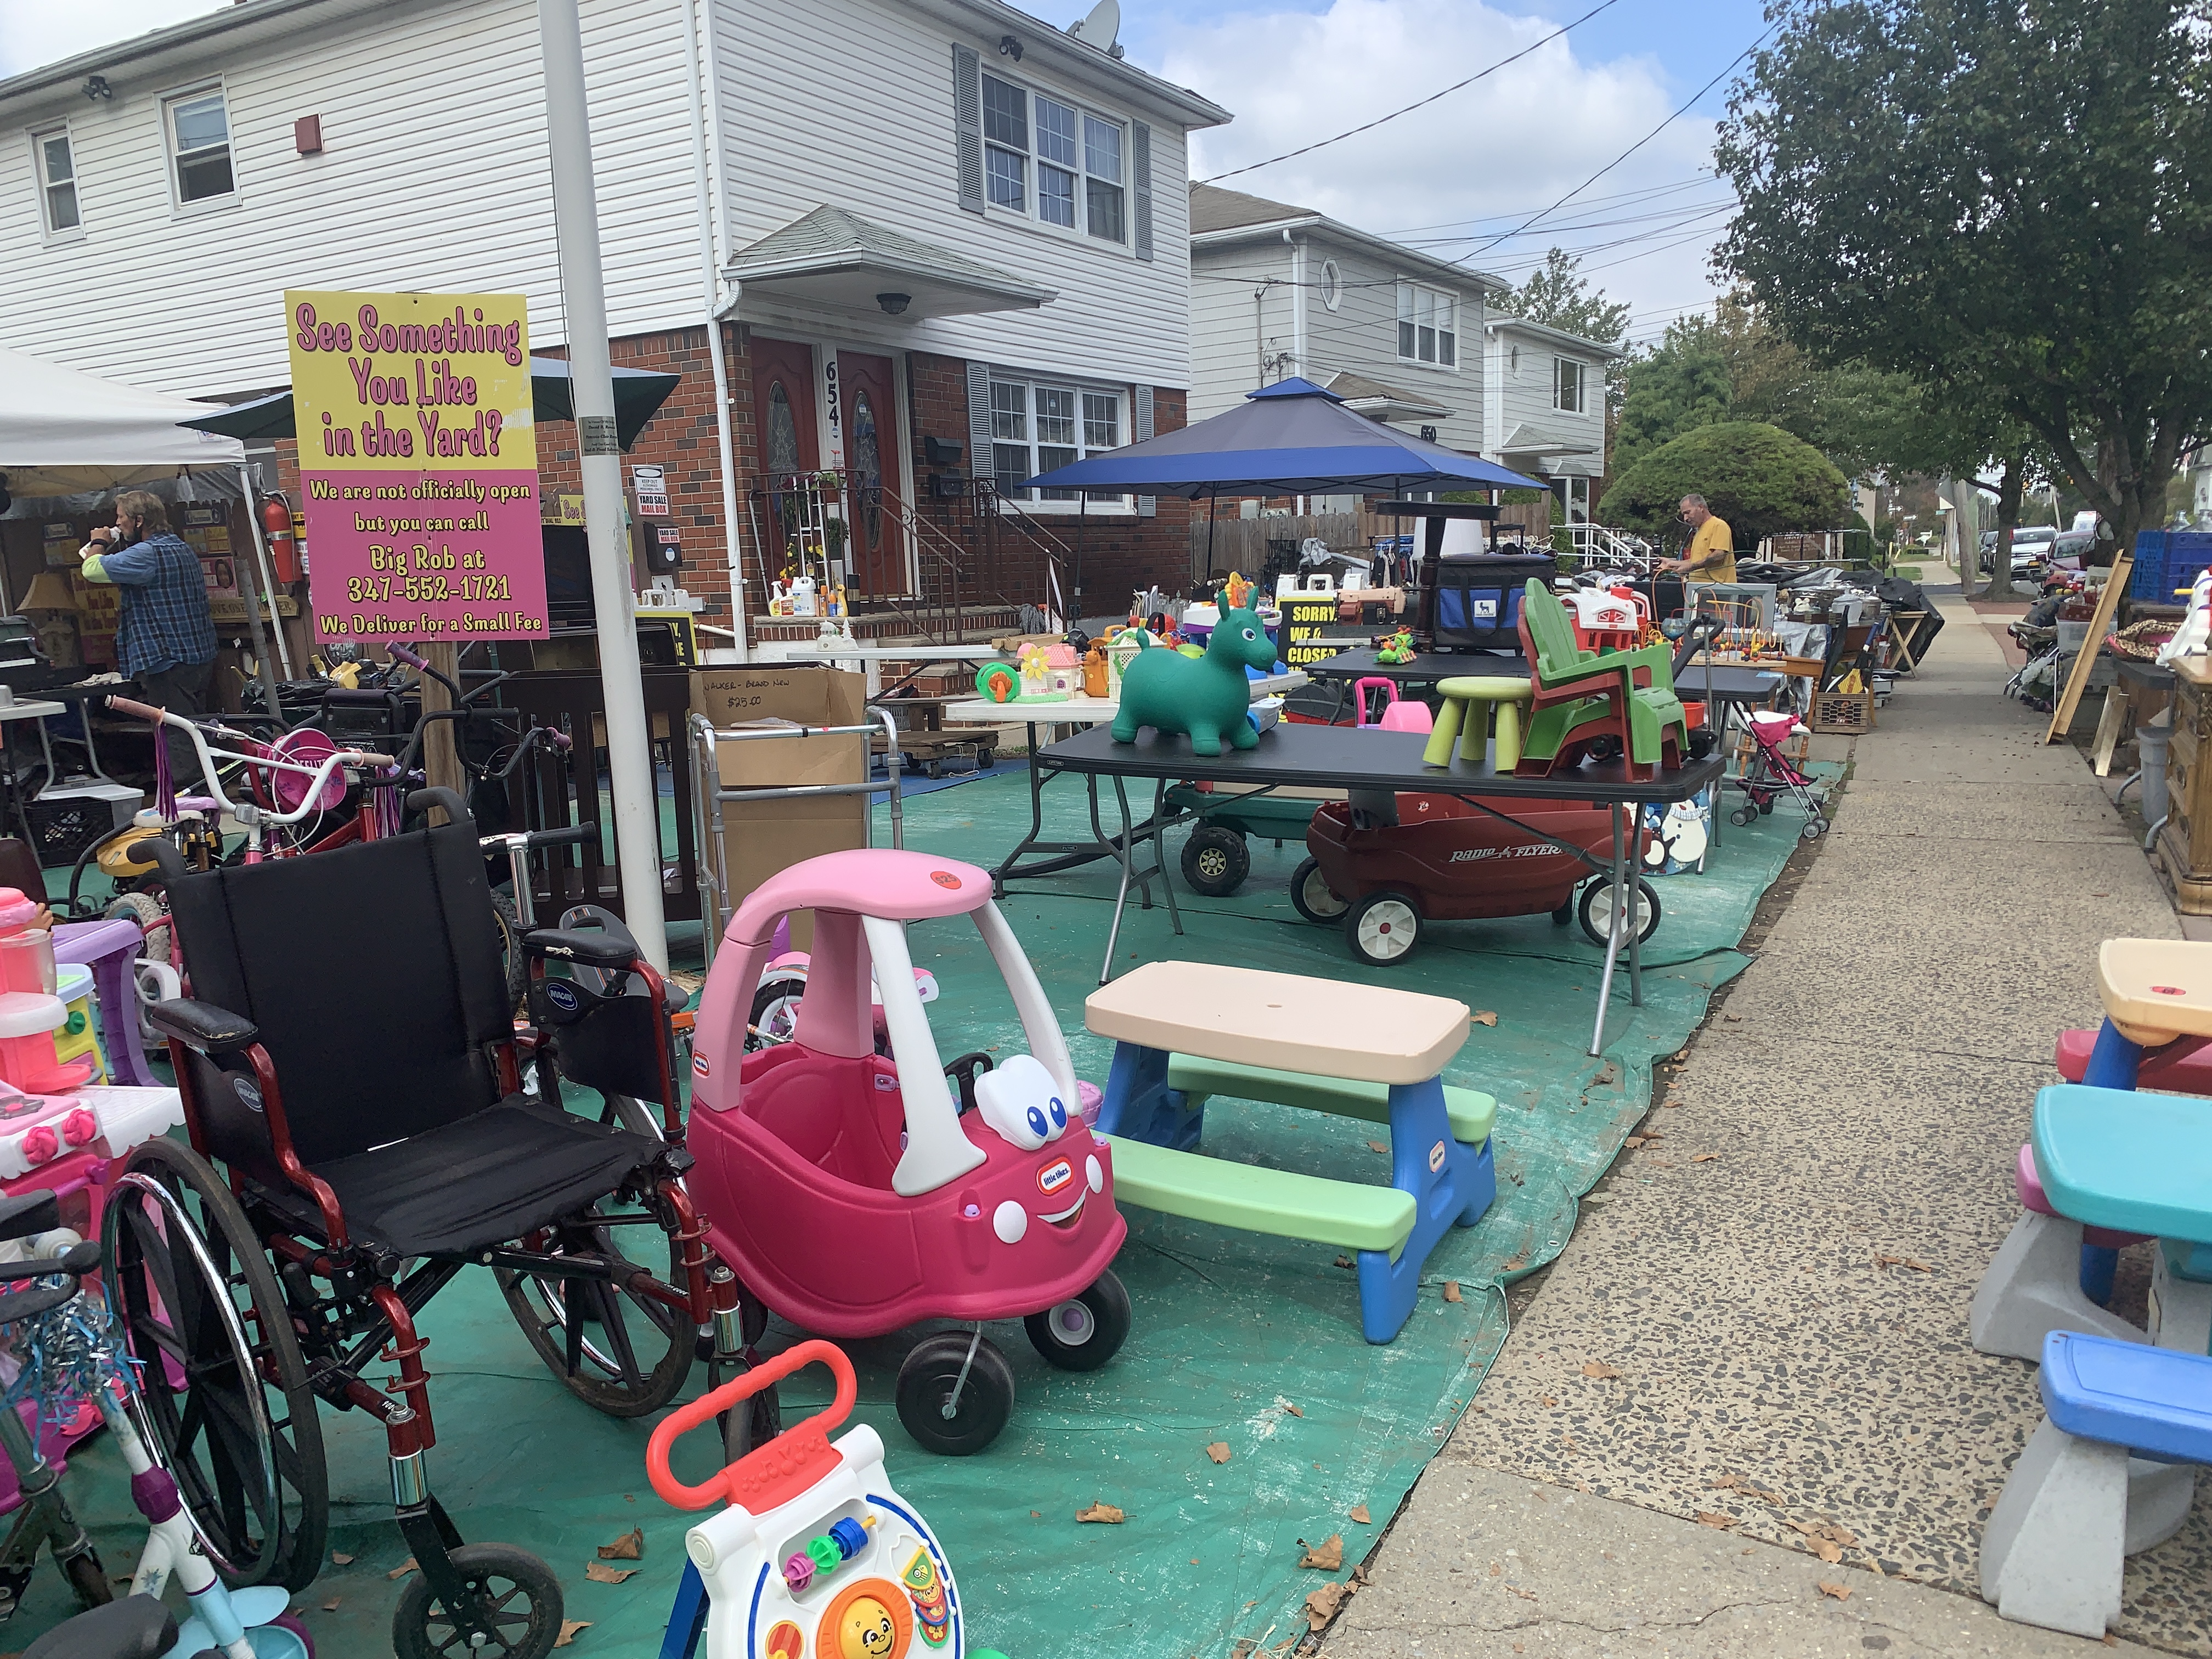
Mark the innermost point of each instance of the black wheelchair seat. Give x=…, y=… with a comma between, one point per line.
x=135, y=1627
x=482, y=1181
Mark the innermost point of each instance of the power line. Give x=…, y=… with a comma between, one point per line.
x=1457, y=86
x=1526, y=223
x=1593, y=201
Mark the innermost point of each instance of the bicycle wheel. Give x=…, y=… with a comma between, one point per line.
x=222, y=1385
x=508, y=920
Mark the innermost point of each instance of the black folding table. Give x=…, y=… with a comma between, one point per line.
x=1383, y=764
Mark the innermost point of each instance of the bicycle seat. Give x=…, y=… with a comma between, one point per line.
x=25, y=1215
x=135, y=1627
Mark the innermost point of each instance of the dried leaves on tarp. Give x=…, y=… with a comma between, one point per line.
x=1359, y=1512
x=1381, y=1146
x=600, y=1573
x=1483, y=1017
x=1328, y=1555
x=1322, y=1604
x=1219, y=1451
x=630, y=1546
x=1451, y=1291
x=568, y=1629
x=339, y=1558
x=1103, y=1514
x=403, y=1569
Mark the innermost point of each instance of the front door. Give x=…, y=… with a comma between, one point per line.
x=878, y=527
x=790, y=447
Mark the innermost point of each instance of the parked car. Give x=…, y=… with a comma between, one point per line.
x=2031, y=545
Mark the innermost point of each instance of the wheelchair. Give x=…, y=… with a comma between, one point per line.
x=347, y=1057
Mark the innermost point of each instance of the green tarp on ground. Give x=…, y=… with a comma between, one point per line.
x=1244, y=1340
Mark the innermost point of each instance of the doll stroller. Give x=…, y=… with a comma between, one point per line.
x=1772, y=775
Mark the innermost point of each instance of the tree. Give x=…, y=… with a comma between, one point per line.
x=1681, y=384
x=1758, y=478
x=1559, y=296
x=2007, y=203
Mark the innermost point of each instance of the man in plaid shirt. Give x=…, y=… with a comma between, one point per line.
x=166, y=637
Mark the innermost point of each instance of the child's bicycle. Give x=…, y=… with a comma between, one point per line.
x=862, y=1575
x=64, y=1337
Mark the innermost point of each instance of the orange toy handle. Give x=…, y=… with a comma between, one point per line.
x=145, y=711
x=714, y=1403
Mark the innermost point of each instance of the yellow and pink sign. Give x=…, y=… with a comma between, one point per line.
x=418, y=460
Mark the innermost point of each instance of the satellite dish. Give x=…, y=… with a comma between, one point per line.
x=1102, y=27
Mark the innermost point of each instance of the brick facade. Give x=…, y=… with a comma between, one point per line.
x=1116, y=555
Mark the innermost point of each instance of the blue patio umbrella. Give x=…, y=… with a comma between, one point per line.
x=1290, y=439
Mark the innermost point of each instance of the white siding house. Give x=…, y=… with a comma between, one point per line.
x=158, y=195
x=1409, y=339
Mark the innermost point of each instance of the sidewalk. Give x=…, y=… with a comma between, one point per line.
x=1752, y=1354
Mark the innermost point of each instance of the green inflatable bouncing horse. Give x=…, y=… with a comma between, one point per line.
x=1206, y=697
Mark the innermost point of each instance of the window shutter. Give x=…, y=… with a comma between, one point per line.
x=980, y=462
x=1147, y=506
x=967, y=126
x=1140, y=169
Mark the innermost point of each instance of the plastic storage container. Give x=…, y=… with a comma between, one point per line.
x=2166, y=565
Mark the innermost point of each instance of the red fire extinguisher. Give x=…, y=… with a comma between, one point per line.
x=276, y=523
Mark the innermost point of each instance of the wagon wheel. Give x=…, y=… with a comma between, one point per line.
x=624, y=1352
x=222, y=1386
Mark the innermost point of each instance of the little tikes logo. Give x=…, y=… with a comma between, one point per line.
x=1054, y=1176
x=700, y=1067
x=946, y=879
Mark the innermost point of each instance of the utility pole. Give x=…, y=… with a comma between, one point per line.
x=592, y=391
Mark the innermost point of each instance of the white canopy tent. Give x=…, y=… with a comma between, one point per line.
x=63, y=432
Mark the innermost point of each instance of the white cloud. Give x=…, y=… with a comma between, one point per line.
x=35, y=32
x=1508, y=145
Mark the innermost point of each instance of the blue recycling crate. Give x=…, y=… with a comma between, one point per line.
x=2167, y=563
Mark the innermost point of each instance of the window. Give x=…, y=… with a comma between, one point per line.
x=56, y=181
x=1332, y=284
x=199, y=140
x=1038, y=426
x=1078, y=157
x=1567, y=386
x=1427, y=331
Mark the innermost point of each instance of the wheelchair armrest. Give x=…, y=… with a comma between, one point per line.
x=203, y=1026
x=590, y=947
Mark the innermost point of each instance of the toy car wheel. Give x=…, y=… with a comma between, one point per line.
x=515, y=1592
x=775, y=1012
x=1383, y=928
x=1815, y=829
x=1310, y=895
x=1596, y=909
x=1083, y=1333
x=1742, y=816
x=950, y=1424
x=984, y=758
x=1215, y=860
x=1566, y=912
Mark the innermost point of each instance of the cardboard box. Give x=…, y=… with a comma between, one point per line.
x=763, y=837
x=806, y=697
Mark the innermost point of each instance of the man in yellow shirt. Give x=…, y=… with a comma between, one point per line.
x=1711, y=556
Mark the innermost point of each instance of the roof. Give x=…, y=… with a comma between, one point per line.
x=1553, y=336
x=1528, y=440
x=1384, y=403
x=834, y=256
x=989, y=18
x=1222, y=218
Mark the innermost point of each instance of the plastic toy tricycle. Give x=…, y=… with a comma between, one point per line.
x=816, y=1556
x=853, y=1195
x=1382, y=873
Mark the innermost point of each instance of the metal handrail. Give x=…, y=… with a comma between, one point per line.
x=707, y=791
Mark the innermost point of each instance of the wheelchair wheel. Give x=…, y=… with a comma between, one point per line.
x=758, y=1420
x=222, y=1385
x=516, y=964
x=623, y=1352
x=515, y=1593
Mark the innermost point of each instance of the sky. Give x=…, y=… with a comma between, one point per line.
x=1456, y=178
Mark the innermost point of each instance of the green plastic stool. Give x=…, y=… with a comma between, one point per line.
x=1485, y=691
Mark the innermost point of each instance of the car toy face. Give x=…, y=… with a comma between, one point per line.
x=1022, y=1103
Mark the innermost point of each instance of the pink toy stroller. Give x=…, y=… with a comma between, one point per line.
x=854, y=1194
x=1772, y=775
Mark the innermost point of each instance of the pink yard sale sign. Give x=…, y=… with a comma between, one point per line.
x=418, y=464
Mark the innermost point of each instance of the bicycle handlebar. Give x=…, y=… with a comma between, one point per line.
x=532, y=840
x=398, y=650
x=77, y=1261
x=808, y=1442
x=317, y=775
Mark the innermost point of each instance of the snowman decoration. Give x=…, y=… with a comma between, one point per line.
x=1677, y=841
